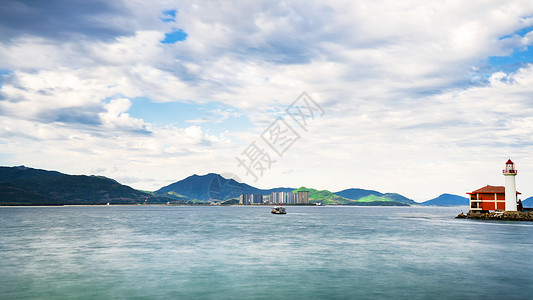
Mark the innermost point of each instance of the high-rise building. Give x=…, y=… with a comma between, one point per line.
x=303, y=197
x=290, y=198
x=277, y=197
x=282, y=198
x=256, y=199
x=247, y=199
x=244, y=199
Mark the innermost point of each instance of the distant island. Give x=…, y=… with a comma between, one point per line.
x=28, y=186
x=212, y=186
x=447, y=200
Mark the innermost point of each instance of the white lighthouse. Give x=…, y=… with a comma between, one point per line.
x=510, y=186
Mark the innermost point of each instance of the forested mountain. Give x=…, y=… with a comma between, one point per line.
x=27, y=186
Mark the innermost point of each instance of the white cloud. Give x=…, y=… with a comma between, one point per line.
x=216, y=116
x=397, y=80
x=116, y=116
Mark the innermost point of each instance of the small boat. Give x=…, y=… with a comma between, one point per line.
x=278, y=210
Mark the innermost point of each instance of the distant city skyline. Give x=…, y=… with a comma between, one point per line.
x=409, y=97
x=294, y=197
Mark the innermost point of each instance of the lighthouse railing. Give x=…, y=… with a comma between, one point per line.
x=506, y=171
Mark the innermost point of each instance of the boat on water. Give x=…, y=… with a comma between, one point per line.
x=278, y=210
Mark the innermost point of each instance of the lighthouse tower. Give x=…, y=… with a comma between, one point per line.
x=510, y=186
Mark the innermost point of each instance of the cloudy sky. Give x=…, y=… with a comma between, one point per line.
x=402, y=96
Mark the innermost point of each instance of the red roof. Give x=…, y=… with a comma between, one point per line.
x=509, y=162
x=491, y=189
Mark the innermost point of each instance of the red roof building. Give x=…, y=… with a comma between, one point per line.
x=488, y=198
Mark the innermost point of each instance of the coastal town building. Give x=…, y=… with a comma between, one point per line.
x=247, y=199
x=300, y=197
x=282, y=198
x=490, y=198
x=289, y=198
x=303, y=197
x=244, y=199
x=276, y=197
x=257, y=199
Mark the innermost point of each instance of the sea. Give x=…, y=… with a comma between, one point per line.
x=245, y=252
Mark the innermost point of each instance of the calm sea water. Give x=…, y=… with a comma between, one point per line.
x=143, y=252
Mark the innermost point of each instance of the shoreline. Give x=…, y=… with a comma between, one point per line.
x=498, y=216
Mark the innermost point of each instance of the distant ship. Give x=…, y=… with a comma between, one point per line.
x=278, y=210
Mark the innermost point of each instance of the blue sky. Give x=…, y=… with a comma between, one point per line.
x=182, y=114
x=518, y=59
x=418, y=98
x=174, y=36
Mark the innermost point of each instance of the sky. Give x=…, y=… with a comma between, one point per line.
x=414, y=97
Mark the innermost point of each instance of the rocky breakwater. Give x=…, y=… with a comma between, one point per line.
x=498, y=215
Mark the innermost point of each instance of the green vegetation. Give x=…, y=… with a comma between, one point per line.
x=27, y=186
x=176, y=196
x=362, y=195
x=326, y=197
x=377, y=203
x=398, y=198
x=233, y=201
x=374, y=198
x=196, y=201
x=302, y=189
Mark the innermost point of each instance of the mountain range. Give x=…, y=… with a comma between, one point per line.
x=327, y=197
x=363, y=195
x=27, y=186
x=215, y=187
x=528, y=202
x=212, y=187
x=447, y=200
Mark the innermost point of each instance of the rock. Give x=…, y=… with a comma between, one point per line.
x=498, y=215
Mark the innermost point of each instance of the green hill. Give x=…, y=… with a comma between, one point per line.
x=27, y=186
x=398, y=198
x=174, y=196
x=327, y=197
x=374, y=198
x=356, y=194
x=14, y=195
x=362, y=195
x=324, y=196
